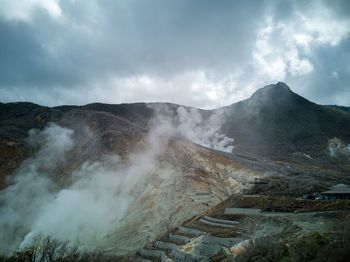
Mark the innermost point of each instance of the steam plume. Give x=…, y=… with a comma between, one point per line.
x=86, y=210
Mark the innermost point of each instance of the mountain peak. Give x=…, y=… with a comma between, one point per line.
x=282, y=85
x=276, y=94
x=273, y=91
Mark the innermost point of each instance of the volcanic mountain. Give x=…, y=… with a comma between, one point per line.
x=277, y=122
x=162, y=163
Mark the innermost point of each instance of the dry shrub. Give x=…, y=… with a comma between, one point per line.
x=48, y=249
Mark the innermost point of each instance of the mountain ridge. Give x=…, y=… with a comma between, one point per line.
x=274, y=117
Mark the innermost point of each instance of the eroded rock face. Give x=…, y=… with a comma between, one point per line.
x=181, y=188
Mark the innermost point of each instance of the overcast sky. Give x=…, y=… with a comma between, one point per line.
x=193, y=52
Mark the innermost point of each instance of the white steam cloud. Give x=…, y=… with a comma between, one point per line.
x=206, y=133
x=85, y=210
x=192, y=125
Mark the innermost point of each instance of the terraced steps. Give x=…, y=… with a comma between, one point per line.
x=196, y=246
x=180, y=238
x=190, y=231
x=183, y=256
x=164, y=245
x=222, y=241
x=222, y=221
x=242, y=211
x=215, y=224
x=218, y=222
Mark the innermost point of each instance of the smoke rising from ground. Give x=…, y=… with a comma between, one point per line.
x=85, y=210
x=206, y=133
x=191, y=124
x=32, y=187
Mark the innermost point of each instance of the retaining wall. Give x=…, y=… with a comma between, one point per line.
x=190, y=231
x=222, y=221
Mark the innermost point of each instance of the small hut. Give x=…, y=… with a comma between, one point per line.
x=340, y=191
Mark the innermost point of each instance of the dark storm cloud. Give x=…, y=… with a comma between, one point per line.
x=172, y=36
x=129, y=37
x=123, y=51
x=24, y=61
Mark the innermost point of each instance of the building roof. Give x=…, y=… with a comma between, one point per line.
x=338, y=189
x=339, y=186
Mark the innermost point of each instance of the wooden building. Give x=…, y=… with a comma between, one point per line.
x=339, y=191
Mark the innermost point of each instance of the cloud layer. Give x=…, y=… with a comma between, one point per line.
x=198, y=53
